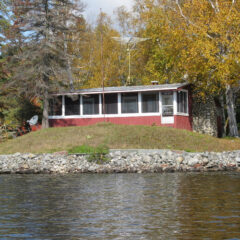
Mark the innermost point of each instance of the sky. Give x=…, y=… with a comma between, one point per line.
x=93, y=6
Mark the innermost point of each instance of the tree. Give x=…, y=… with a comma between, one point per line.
x=124, y=20
x=101, y=61
x=213, y=53
x=44, y=64
x=5, y=23
x=157, y=58
x=4, y=20
x=199, y=39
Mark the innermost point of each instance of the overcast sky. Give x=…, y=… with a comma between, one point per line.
x=93, y=6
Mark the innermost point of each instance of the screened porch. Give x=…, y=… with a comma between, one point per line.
x=146, y=103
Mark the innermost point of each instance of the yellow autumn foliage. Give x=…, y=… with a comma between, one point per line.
x=199, y=38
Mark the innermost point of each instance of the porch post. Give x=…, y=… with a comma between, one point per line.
x=119, y=103
x=63, y=105
x=174, y=103
x=160, y=103
x=100, y=104
x=81, y=105
x=139, y=102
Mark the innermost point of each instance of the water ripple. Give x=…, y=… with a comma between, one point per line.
x=120, y=206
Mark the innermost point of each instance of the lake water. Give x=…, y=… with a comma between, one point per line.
x=120, y=206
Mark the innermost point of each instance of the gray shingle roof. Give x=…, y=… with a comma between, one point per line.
x=141, y=88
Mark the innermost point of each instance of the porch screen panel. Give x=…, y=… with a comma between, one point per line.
x=167, y=104
x=110, y=103
x=72, y=105
x=55, y=106
x=129, y=102
x=182, y=102
x=150, y=102
x=90, y=104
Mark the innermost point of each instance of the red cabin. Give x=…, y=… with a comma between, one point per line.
x=160, y=105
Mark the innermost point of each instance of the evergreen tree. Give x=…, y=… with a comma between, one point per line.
x=44, y=64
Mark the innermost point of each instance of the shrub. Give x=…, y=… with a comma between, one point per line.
x=95, y=154
x=81, y=149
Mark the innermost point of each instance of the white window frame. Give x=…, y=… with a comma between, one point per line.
x=159, y=108
x=88, y=116
x=119, y=114
x=100, y=101
x=138, y=104
x=168, y=106
x=180, y=113
x=64, y=107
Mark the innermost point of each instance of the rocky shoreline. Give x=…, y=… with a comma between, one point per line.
x=121, y=161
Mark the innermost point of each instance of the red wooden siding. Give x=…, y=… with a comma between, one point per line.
x=141, y=120
x=182, y=122
x=185, y=122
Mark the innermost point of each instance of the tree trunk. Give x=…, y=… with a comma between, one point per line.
x=45, y=122
x=230, y=101
x=68, y=64
x=70, y=77
x=223, y=118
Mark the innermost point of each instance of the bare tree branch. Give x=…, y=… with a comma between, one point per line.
x=230, y=10
x=187, y=19
x=217, y=5
x=213, y=6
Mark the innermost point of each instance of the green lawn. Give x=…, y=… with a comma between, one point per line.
x=116, y=136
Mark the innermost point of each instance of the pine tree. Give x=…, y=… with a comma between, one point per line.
x=44, y=64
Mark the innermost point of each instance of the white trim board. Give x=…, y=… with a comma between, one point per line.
x=106, y=116
x=114, y=116
x=123, y=91
x=167, y=120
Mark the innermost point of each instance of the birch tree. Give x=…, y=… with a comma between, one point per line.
x=198, y=39
x=101, y=62
x=212, y=57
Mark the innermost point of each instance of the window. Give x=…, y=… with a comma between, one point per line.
x=129, y=102
x=55, y=106
x=182, y=102
x=111, y=103
x=90, y=104
x=167, y=104
x=150, y=102
x=72, y=105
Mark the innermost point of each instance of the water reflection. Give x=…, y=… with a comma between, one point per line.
x=210, y=203
x=121, y=206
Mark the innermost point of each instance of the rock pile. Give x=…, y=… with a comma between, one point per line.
x=121, y=161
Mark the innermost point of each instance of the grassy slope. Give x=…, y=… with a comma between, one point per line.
x=116, y=136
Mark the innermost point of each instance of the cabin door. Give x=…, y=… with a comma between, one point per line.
x=167, y=108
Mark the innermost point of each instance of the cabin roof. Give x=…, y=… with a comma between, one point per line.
x=142, y=88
